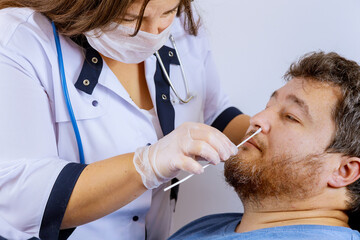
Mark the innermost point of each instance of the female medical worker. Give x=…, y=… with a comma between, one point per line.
x=126, y=112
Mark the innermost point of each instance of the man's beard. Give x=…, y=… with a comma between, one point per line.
x=282, y=177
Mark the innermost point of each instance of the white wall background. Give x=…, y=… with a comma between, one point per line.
x=254, y=42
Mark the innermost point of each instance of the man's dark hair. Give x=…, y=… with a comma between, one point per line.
x=335, y=70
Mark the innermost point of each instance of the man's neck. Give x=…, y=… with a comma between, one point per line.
x=257, y=220
x=324, y=209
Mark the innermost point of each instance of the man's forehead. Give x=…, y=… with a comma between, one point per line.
x=302, y=88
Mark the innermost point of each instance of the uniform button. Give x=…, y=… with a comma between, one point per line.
x=148, y=144
x=164, y=97
x=86, y=82
x=171, y=54
x=95, y=103
x=135, y=218
x=95, y=60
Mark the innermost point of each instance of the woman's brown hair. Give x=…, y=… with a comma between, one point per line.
x=74, y=17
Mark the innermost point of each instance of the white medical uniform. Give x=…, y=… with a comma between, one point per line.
x=39, y=162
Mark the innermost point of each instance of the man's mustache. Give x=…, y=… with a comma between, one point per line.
x=260, y=144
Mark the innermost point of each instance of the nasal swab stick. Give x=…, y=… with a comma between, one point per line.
x=205, y=166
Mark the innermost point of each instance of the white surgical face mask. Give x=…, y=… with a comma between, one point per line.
x=118, y=45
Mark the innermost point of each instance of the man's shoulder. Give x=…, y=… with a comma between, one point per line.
x=222, y=226
x=298, y=232
x=215, y=225
x=217, y=219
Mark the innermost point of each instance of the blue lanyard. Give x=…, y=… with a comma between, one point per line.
x=66, y=94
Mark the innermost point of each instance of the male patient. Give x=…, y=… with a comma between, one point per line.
x=299, y=177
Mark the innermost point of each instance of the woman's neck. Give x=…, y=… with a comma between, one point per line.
x=132, y=78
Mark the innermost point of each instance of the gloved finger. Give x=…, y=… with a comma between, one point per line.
x=207, y=128
x=204, y=150
x=188, y=164
x=216, y=139
x=203, y=129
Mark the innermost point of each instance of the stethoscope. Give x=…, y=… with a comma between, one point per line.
x=188, y=96
x=66, y=93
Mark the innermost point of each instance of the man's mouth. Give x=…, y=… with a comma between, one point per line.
x=254, y=143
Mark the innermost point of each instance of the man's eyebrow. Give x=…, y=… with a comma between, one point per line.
x=303, y=106
x=274, y=94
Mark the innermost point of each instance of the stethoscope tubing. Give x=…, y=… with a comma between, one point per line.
x=167, y=77
x=66, y=95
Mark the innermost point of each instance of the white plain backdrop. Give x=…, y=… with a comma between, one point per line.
x=254, y=42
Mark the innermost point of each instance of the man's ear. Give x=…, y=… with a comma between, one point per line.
x=346, y=173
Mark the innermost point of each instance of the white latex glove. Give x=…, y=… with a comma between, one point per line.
x=179, y=150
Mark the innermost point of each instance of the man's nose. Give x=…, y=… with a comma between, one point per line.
x=262, y=120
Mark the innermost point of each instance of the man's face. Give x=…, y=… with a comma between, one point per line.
x=286, y=158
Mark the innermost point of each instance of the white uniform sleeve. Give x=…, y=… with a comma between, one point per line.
x=218, y=110
x=35, y=185
x=12, y=233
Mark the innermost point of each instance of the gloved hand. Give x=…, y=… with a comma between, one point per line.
x=179, y=150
